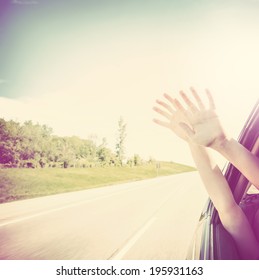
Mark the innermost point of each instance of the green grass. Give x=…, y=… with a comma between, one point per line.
x=16, y=184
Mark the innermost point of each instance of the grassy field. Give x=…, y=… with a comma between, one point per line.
x=16, y=184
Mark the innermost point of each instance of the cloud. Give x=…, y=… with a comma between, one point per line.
x=25, y=2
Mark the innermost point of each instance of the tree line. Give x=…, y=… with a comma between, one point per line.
x=30, y=145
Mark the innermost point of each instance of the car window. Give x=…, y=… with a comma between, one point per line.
x=253, y=190
x=243, y=186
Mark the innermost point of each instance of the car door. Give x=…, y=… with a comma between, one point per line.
x=211, y=241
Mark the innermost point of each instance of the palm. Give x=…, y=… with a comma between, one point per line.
x=196, y=123
x=174, y=118
x=174, y=122
x=206, y=127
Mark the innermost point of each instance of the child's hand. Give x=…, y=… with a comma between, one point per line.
x=193, y=124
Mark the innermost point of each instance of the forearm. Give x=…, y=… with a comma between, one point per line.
x=231, y=215
x=213, y=179
x=241, y=158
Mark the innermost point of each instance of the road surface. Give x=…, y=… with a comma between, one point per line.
x=151, y=220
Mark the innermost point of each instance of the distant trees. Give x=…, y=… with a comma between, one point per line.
x=22, y=145
x=120, y=145
x=32, y=145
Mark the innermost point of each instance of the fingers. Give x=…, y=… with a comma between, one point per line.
x=192, y=108
x=187, y=129
x=197, y=98
x=200, y=104
x=177, y=105
x=162, y=113
x=166, y=106
x=174, y=102
x=211, y=101
x=188, y=102
x=162, y=123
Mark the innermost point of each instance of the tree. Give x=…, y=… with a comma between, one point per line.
x=105, y=155
x=120, y=145
x=136, y=160
x=33, y=145
x=9, y=143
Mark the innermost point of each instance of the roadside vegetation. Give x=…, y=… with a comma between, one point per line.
x=30, y=145
x=34, y=162
x=20, y=183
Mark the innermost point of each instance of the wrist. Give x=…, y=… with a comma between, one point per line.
x=220, y=143
x=196, y=147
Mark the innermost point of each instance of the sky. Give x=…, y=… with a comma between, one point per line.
x=78, y=66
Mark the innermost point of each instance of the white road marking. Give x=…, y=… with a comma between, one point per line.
x=118, y=255
x=39, y=214
x=130, y=243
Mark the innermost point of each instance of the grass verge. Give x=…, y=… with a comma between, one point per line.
x=17, y=184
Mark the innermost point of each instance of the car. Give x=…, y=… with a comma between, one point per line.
x=211, y=241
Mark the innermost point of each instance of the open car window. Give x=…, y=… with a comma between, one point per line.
x=252, y=190
x=211, y=240
x=245, y=194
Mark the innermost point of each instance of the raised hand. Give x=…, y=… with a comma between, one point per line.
x=173, y=112
x=195, y=123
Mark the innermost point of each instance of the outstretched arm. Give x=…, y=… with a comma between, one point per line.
x=240, y=157
x=204, y=128
x=231, y=215
x=183, y=122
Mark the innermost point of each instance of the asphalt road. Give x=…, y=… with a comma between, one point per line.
x=152, y=219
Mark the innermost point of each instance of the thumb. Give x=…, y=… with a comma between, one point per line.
x=187, y=129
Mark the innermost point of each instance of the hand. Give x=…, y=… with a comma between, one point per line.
x=195, y=123
x=174, y=115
